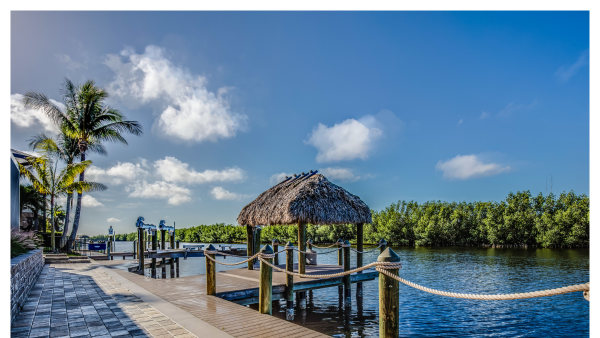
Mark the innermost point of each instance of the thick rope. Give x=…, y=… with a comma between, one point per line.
x=363, y=252
x=208, y=253
x=226, y=254
x=534, y=294
x=324, y=247
x=339, y=274
x=317, y=253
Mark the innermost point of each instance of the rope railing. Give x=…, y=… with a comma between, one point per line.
x=543, y=293
x=383, y=267
x=324, y=247
x=317, y=253
x=364, y=252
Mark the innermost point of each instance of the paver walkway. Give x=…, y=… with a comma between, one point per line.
x=79, y=300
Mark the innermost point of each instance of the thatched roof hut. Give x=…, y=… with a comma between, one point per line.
x=309, y=198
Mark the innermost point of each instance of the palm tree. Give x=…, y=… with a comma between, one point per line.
x=67, y=150
x=46, y=178
x=86, y=119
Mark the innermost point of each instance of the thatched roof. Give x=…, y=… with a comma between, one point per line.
x=309, y=198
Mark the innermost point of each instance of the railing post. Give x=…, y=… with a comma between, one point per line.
x=177, y=260
x=389, y=301
x=153, y=266
x=301, y=247
x=289, y=281
x=162, y=247
x=347, y=284
x=275, y=243
x=211, y=272
x=141, y=251
x=309, y=244
x=340, y=253
x=383, y=244
x=108, y=251
x=172, y=260
x=134, y=249
x=265, y=291
x=250, y=246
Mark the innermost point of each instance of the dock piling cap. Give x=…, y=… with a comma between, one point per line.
x=275, y=241
x=388, y=255
x=267, y=249
x=210, y=248
x=339, y=241
x=346, y=244
x=382, y=242
x=289, y=245
x=309, y=241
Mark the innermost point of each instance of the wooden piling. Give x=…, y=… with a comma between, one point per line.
x=211, y=272
x=250, y=246
x=108, y=251
x=177, y=261
x=347, y=283
x=265, y=291
x=172, y=260
x=389, y=300
x=309, y=243
x=257, y=231
x=141, y=251
x=359, y=244
x=134, y=249
x=153, y=264
x=162, y=247
x=289, y=281
x=340, y=252
x=275, y=243
x=383, y=246
x=301, y=247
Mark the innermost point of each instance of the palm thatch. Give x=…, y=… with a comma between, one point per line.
x=308, y=198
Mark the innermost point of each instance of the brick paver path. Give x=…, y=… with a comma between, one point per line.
x=78, y=300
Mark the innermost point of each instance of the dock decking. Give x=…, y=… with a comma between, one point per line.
x=240, y=285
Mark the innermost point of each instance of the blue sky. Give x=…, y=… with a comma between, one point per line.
x=391, y=105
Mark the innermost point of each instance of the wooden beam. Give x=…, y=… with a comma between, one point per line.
x=250, y=246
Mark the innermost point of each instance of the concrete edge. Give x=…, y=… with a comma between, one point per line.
x=185, y=319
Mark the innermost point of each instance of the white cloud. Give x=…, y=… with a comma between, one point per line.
x=25, y=118
x=469, y=166
x=564, y=73
x=160, y=189
x=460, y=122
x=222, y=194
x=90, y=201
x=345, y=141
x=119, y=174
x=190, y=112
x=113, y=220
x=342, y=174
x=173, y=170
x=277, y=178
x=484, y=115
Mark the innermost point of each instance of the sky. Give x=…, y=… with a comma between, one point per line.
x=451, y=106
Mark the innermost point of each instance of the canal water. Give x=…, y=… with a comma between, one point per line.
x=456, y=269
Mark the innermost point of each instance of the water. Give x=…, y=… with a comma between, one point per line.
x=464, y=270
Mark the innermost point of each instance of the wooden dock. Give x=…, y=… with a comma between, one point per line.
x=241, y=287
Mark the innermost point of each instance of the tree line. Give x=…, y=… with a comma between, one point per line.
x=520, y=220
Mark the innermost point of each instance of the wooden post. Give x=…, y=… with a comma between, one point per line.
x=162, y=247
x=172, y=260
x=177, y=261
x=108, y=251
x=301, y=247
x=250, y=246
x=389, y=301
x=275, y=243
x=265, y=291
x=141, y=251
x=340, y=252
x=383, y=246
x=289, y=281
x=153, y=264
x=257, y=231
x=359, y=244
x=309, y=244
x=347, y=284
x=211, y=272
x=134, y=249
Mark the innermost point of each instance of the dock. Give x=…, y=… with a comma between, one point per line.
x=235, y=288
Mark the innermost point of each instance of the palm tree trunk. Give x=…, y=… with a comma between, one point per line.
x=44, y=213
x=52, y=221
x=66, y=228
x=78, y=207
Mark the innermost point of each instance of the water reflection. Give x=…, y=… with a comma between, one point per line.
x=466, y=270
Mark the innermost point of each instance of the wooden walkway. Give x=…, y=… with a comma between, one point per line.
x=189, y=294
